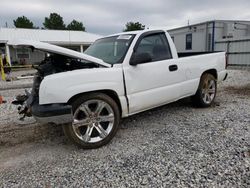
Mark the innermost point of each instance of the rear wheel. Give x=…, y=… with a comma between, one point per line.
x=96, y=119
x=206, y=92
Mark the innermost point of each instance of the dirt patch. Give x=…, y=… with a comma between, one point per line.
x=238, y=90
x=11, y=136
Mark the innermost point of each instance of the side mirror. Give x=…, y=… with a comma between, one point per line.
x=139, y=58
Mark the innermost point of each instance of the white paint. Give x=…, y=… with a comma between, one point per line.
x=147, y=85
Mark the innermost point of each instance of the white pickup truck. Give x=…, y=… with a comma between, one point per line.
x=117, y=76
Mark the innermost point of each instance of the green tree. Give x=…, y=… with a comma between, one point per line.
x=23, y=22
x=54, y=21
x=76, y=26
x=133, y=26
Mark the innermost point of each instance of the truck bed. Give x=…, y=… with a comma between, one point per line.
x=187, y=54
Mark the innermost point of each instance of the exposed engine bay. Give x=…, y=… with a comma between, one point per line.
x=52, y=64
x=59, y=63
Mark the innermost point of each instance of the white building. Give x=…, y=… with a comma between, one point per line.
x=232, y=36
x=76, y=40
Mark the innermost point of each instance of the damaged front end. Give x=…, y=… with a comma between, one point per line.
x=59, y=60
x=28, y=103
x=25, y=101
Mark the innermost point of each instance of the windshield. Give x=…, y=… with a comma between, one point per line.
x=111, y=50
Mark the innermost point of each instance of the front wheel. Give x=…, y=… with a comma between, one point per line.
x=206, y=92
x=96, y=119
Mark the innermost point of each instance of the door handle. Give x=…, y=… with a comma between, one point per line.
x=173, y=68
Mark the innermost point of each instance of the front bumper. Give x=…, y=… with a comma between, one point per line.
x=52, y=113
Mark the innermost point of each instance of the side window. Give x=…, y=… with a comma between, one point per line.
x=156, y=45
x=189, y=42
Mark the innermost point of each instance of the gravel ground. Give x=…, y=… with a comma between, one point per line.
x=172, y=146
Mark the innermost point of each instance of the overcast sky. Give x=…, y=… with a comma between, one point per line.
x=110, y=16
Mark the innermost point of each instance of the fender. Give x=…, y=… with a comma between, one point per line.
x=59, y=88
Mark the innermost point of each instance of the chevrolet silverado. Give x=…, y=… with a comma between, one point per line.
x=117, y=76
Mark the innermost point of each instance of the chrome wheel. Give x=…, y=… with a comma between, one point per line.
x=208, y=91
x=93, y=121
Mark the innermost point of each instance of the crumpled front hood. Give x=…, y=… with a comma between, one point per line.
x=56, y=49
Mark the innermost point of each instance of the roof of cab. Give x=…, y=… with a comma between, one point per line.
x=135, y=32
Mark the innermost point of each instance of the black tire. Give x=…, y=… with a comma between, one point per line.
x=72, y=135
x=199, y=99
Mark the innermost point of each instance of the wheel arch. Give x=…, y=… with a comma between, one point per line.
x=197, y=99
x=108, y=92
x=212, y=72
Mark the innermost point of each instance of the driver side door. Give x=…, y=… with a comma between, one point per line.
x=155, y=82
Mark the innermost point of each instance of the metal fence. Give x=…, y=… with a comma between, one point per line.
x=238, y=51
